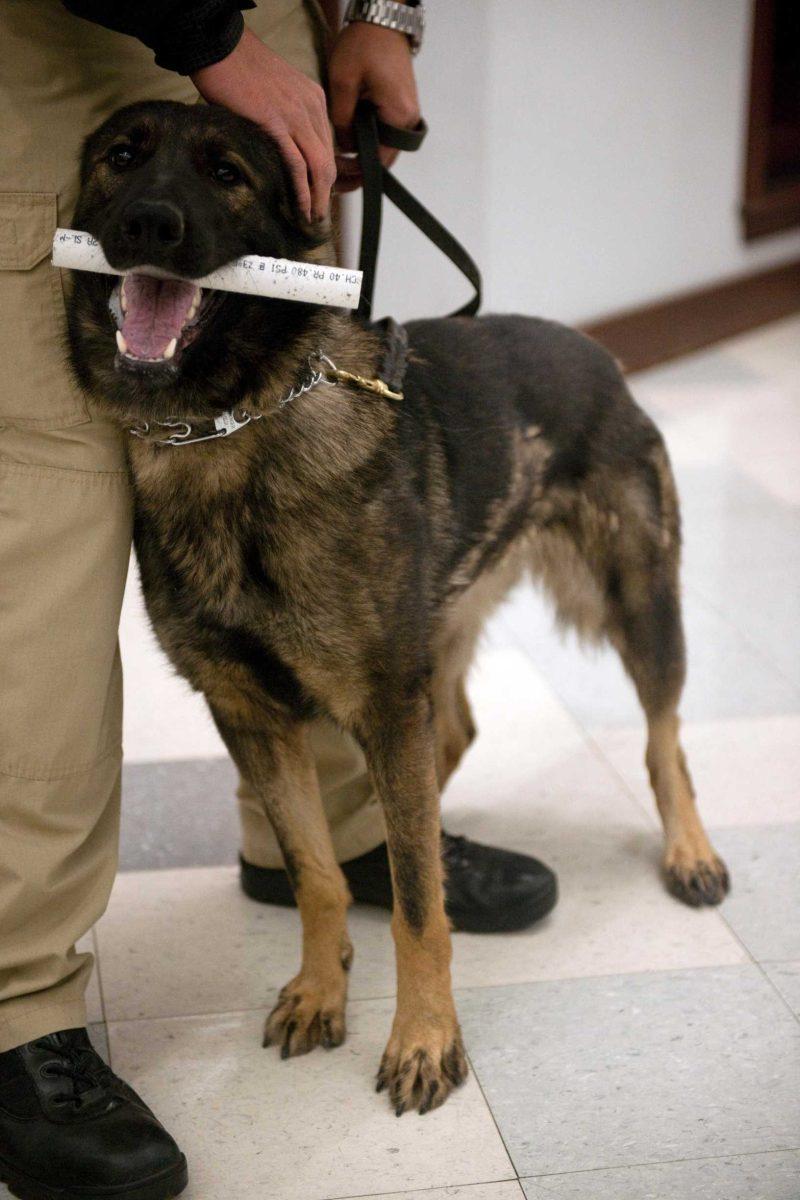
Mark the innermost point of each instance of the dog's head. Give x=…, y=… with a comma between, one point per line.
x=184, y=189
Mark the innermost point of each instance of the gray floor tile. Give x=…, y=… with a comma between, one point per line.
x=727, y=677
x=740, y=1177
x=179, y=814
x=765, y=606
x=764, y=903
x=786, y=978
x=631, y=1069
x=731, y=524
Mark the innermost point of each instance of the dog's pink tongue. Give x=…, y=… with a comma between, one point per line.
x=155, y=313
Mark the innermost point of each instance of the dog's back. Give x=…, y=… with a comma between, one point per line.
x=523, y=426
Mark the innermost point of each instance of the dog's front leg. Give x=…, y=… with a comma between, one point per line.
x=424, y=1059
x=277, y=763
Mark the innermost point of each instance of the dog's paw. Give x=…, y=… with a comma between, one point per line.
x=420, y=1070
x=697, y=881
x=306, y=1015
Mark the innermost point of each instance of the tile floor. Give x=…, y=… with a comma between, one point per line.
x=628, y=1048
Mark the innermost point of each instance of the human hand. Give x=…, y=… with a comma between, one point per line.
x=257, y=83
x=370, y=62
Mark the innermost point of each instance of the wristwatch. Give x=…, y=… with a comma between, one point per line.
x=405, y=18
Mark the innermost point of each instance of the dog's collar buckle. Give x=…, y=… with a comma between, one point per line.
x=228, y=422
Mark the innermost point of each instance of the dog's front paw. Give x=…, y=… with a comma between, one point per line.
x=697, y=881
x=422, y=1065
x=307, y=1014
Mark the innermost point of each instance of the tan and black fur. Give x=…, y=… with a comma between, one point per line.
x=341, y=555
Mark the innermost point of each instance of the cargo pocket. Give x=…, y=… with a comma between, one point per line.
x=36, y=389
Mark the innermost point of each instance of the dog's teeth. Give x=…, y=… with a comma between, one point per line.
x=123, y=303
x=171, y=348
x=122, y=345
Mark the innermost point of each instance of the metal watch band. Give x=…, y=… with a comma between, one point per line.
x=405, y=18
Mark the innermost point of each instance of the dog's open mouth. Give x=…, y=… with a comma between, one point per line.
x=156, y=318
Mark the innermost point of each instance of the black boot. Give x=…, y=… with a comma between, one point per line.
x=71, y=1130
x=486, y=890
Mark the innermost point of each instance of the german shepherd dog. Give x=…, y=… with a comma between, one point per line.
x=340, y=555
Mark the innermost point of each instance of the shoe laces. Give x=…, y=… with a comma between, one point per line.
x=82, y=1066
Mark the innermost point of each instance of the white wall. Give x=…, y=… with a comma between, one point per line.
x=588, y=153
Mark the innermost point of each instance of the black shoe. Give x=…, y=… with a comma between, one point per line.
x=486, y=890
x=71, y=1130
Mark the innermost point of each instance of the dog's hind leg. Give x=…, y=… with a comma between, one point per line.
x=424, y=1058
x=612, y=570
x=276, y=762
x=643, y=622
x=650, y=641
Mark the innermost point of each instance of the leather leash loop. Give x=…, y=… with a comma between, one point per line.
x=370, y=133
x=401, y=139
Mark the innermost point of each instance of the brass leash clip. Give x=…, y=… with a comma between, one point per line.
x=376, y=386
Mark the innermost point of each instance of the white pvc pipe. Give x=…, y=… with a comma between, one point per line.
x=253, y=275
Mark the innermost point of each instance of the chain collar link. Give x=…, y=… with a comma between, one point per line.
x=319, y=369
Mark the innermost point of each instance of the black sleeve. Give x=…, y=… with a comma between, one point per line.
x=185, y=34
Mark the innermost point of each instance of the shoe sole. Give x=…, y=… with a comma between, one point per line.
x=158, y=1187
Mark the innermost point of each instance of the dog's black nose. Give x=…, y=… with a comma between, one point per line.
x=150, y=225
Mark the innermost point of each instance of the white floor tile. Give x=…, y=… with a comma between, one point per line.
x=745, y=770
x=510, y=1190
x=306, y=1129
x=785, y=976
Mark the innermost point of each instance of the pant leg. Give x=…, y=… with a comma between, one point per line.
x=64, y=546
x=351, y=804
x=65, y=529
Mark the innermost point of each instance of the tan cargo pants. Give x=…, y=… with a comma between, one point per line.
x=65, y=531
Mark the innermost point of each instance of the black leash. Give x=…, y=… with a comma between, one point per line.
x=378, y=181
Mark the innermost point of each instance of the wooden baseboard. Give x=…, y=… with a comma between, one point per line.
x=643, y=337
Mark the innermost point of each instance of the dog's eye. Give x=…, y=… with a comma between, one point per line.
x=226, y=173
x=120, y=157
